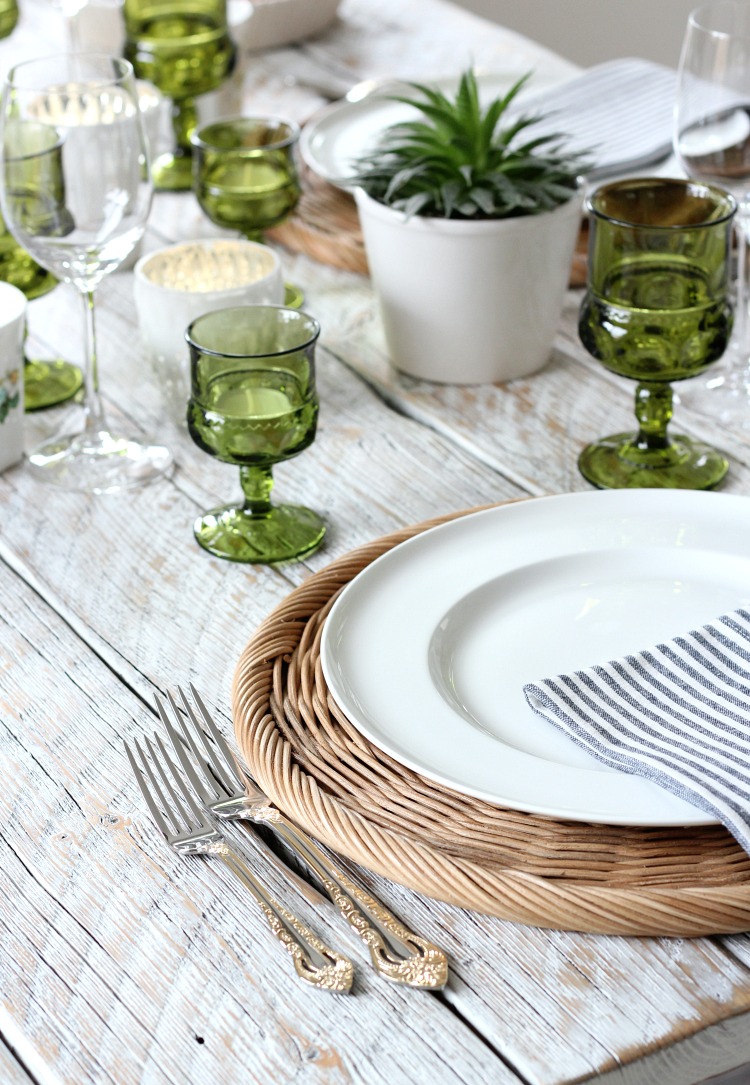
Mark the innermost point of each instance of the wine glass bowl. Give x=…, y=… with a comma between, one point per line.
x=185, y=51
x=75, y=193
x=656, y=310
x=254, y=403
x=712, y=144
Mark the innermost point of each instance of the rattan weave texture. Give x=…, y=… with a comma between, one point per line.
x=326, y=776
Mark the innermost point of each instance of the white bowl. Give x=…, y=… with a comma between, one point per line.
x=174, y=285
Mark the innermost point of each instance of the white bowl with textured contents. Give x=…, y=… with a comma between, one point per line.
x=176, y=284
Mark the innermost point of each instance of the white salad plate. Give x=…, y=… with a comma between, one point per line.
x=619, y=112
x=427, y=650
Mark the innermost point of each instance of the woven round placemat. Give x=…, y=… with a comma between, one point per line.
x=326, y=776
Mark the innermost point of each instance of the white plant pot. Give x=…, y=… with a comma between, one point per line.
x=469, y=302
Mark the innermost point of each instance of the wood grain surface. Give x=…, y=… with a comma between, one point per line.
x=121, y=963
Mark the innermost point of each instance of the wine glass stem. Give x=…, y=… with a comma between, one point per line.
x=257, y=483
x=94, y=406
x=653, y=409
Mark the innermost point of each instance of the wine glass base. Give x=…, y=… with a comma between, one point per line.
x=46, y=384
x=99, y=463
x=284, y=533
x=172, y=173
x=724, y=397
x=616, y=463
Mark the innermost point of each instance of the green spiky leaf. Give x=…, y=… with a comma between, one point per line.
x=459, y=160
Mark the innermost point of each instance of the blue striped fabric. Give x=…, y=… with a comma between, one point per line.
x=678, y=714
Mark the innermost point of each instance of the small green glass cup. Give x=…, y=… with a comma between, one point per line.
x=185, y=50
x=656, y=310
x=245, y=176
x=254, y=403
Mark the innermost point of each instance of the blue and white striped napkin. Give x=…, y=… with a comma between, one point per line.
x=677, y=714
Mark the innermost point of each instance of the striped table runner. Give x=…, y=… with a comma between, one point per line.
x=677, y=714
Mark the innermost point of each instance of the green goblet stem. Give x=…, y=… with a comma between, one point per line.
x=257, y=483
x=653, y=410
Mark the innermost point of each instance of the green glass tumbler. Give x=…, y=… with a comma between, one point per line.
x=253, y=403
x=656, y=310
x=185, y=50
x=33, y=160
x=245, y=176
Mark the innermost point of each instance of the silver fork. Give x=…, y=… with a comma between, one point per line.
x=192, y=831
x=396, y=953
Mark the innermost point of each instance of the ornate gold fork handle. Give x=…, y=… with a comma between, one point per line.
x=313, y=960
x=396, y=952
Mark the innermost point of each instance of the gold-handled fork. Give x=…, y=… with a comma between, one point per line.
x=192, y=831
x=396, y=952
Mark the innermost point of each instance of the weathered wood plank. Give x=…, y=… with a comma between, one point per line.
x=11, y=1071
x=123, y=962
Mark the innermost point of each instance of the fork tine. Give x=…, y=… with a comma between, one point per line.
x=215, y=733
x=181, y=739
x=187, y=803
x=162, y=815
x=231, y=781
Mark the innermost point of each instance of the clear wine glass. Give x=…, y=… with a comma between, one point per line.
x=712, y=143
x=75, y=192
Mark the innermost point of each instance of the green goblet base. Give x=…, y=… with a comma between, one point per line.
x=619, y=462
x=48, y=383
x=172, y=172
x=293, y=296
x=283, y=533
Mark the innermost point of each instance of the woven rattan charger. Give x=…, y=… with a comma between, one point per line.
x=346, y=792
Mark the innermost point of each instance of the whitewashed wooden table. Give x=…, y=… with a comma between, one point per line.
x=120, y=963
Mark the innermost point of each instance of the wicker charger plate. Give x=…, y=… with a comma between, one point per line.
x=346, y=792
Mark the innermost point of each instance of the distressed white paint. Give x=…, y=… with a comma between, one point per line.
x=116, y=956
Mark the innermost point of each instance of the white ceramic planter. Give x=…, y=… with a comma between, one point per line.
x=466, y=302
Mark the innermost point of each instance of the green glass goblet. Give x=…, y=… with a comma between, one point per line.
x=185, y=50
x=253, y=403
x=246, y=178
x=34, y=152
x=656, y=310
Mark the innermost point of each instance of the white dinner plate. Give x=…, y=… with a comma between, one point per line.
x=427, y=650
x=618, y=113
x=340, y=133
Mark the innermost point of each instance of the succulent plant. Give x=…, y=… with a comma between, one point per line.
x=462, y=162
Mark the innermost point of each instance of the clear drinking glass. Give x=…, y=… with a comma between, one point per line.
x=253, y=403
x=656, y=310
x=75, y=193
x=712, y=143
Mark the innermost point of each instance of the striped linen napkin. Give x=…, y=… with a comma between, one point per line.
x=677, y=714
